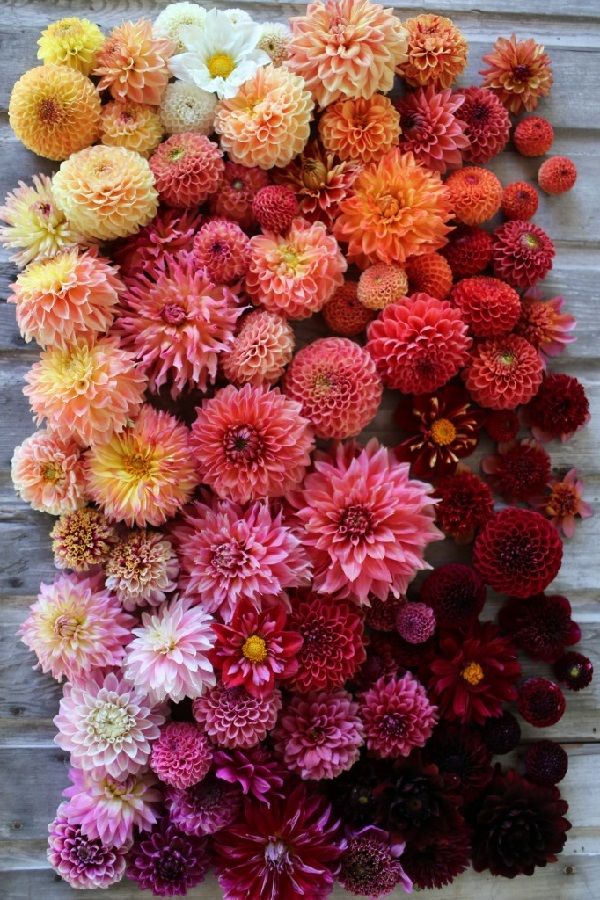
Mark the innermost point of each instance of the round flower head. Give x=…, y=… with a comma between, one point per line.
x=346, y=48
x=260, y=351
x=456, y=593
x=141, y=569
x=275, y=207
x=370, y=864
x=575, y=670
x=187, y=169
x=486, y=124
x=533, y=136
x=542, y=626
x=204, y=808
x=320, y=182
x=223, y=249
x=544, y=325
x=519, y=72
x=523, y=253
x=397, y=716
x=48, y=472
x=415, y=622
x=469, y=251
x=565, y=503
x=546, y=762
x=82, y=862
x=465, y=505
x=82, y=540
x=236, y=193
x=232, y=718
x=274, y=40
x=344, y=314
x=503, y=372
x=519, y=201
x=54, y=111
x=501, y=734
x=71, y=42
x=186, y=108
x=106, y=192
x=132, y=65
x=519, y=471
x=475, y=194
x=437, y=861
x=177, y=16
x=489, y=306
x=502, y=424
x=361, y=130
x=336, y=383
x=380, y=285
x=559, y=409
x=168, y=862
x=431, y=128
x=429, y=274
x=437, y=52
x=145, y=474
x=169, y=232
x=136, y=126
x=107, y=725
x=541, y=702
x=267, y=122
x=182, y=755
x=557, y=175
x=66, y=297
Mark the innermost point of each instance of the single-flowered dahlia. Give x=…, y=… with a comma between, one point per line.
x=397, y=716
x=381, y=285
x=169, y=232
x=469, y=250
x=415, y=622
x=186, y=108
x=48, y=472
x=370, y=863
x=544, y=324
x=437, y=52
x=519, y=471
x=475, y=194
x=141, y=569
x=261, y=349
x=490, y=307
x=143, y=475
x=205, y=807
x=222, y=248
x=465, y=505
x=502, y=734
x=82, y=539
x=320, y=182
x=486, y=124
x=397, y=209
x=106, y=192
x=346, y=48
x=557, y=175
x=438, y=859
x=546, y=762
x=575, y=670
x=71, y=42
x=187, y=169
x=518, y=552
x=236, y=192
x=54, y=111
x=232, y=718
x=337, y=385
x=541, y=626
x=559, y=409
x=431, y=128
x=174, y=17
x=418, y=344
x=519, y=72
x=275, y=207
x=132, y=64
x=66, y=297
x=565, y=505
x=519, y=201
x=82, y=862
x=107, y=725
x=182, y=755
x=168, y=862
x=251, y=442
x=456, y=593
x=523, y=253
x=541, y=702
x=360, y=130
x=344, y=313
x=429, y=274
x=501, y=424
x=136, y=126
x=88, y=390
x=267, y=123
x=503, y=372
x=533, y=136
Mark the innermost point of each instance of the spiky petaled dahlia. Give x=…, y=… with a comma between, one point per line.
x=546, y=762
x=274, y=40
x=275, y=207
x=533, y=136
x=519, y=201
x=87, y=390
x=370, y=863
x=469, y=251
x=486, y=124
x=232, y=718
x=490, y=307
x=456, y=593
x=143, y=475
x=187, y=169
x=519, y=471
x=397, y=716
x=106, y=192
x=182, y=755
x=503, y=372
x=267, y=123
x=132, y=65
x=565, y=503
x=519, y=72
x=380, y=285
x=71, y=42
x=336, y=383
x=168, y=862
x=418, y=344
x=557, y=175
x=107, y=725
x=415, y=622
x=82, y=539
x=256, y=771
x=187, y=108
x=438, y=860
x=261, y=349
x=346, y=48
x=431, y=128
x=251, y=442
x=544, y=325
x=141, y=569
x=176, y=322
x=136, y=126
x=518, y=552
x=542, y=626
x=222, y=248
x=169, y=232
x=575, y=670
x=465, y=505
x=48, y=472
x=559, y=409
x=236, y=192
x=366, y=523
x=65, y=298
x=475, y=194
x=204, y=808
x=360, y=129
x=295, y=274
x=523, y=253
x=81, y=862
x=436, y=52
x=397, y=209
x=228, y=555
x=344, y=314
x=54, y=111
x=429, y=274
x=319, y=181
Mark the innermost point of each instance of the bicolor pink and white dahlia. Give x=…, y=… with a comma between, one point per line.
x=80, y=861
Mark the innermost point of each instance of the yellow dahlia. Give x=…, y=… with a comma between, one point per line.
x=361, y=130
x=135, y=126
x=54, y=111
x=519, y=72
x=398, y=209
x=71, y=42
x=267, y=123
x=106, y=192
x=437, y=51
x=346, y=48
x=133, y=65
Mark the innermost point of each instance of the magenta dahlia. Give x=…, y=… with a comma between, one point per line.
x=204, y=808
x=255, y=770
x=167, y=861
x=371, y=864
x=233, y=718
x=80, y=861
x=397, y=716
x=182, y=755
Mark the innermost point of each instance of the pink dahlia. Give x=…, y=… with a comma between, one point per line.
x=523, y=253
x=80, y=861
x=431, y=127
x=257, y=773
x=233, y=718
x=222, y=248
x=204, y=808
x=187, y=169
x=141, y=569
x=168, y=862
x=261, y=349
x=366, y=523
x=486, y=123
x=251, y=443
x=370, y=863
x=182, y=755
x=544, y=324
x=48, y=472
x=397, y=716
x=170, y=231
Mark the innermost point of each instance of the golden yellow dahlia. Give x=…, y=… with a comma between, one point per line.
x=71, y=42
x=361, y=130
x=437, y=51
x=133, y=65
x=135, y=126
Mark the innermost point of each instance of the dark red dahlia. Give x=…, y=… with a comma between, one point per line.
x=382, y=614
x=490, y=307
x=418, y=802
x=384, y=657
x=168, y=862
x=488, y=124
x=541, y=702
x=462, y=757
x=502, y=425
x=469, y=250
x=546, y=762
x=502, y=733
x=456, y=593
x=575, y=670
x=356, y=795
x=274, y=207
x=519, y=471
x=370, y=864
x=523, y=253
x=541, y=625
x=466, y=503
x=559, y=409
x=436, y=862
x=416, y=623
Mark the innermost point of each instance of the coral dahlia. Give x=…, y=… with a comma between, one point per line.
x=275, y=207
x=469, y=251
x=381, y=285
x=344, y=314
x=519, y=72
x=490, y=307
x=429, y=274
x=48, y=472
x=223, y=249
x=432, y=129
x=261, y=349
x=565, y=503
x=557, y=175
x=544, y=324
x=523, y=253
x=436, y=52
x=486, y=124
x=397, y=716
x=361, y=130
x=475, y=194
x=503, y=372
x=132, y=64
x=533, y=136
x=187, y=169
x=232, y=718
x=519, y=201
x=169, y=232
x=236, y=192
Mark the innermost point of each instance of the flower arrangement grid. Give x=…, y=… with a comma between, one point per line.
x=262, y=672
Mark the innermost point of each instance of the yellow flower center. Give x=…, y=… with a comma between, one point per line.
x=66, y=626
x=473, y=673
x=137, y=465
x=443, y=432
x=290, y=257
x=255, y=648
x=389, y=206
x=110, y=722
x=220, y=65
x=50, y=473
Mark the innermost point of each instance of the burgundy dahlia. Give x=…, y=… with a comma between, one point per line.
x=546, y=762
x=415, y=622
x=559, y=409
x=519, y=471
x=541, y=625
x=168, y=862
x=370, y=864
x=502, y=733
x=435, y=862
x=462, y=757
x=419, y=802
x=502, y=425
x=487, y=124
x=575, y=670
x=204, y=808
x=466, y=504
x=541, y=702
x=456, y=593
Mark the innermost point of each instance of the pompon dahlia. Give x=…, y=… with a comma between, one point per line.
x=71, y=42
x=48, y=472
x=559, y=409
x=182, y=755
x=465, y=505
x=260, y=351
x=346, y=48
x=397, y=209
x=541, y=626
x=267, y=123
x=431, y=128
x=168, y=862
x=436, y=52
x=456, y=593
x=141, y=569
x=518, y=552
x=501, y=424
x=205, y=807
x=232, y=718
x=437, y=861
x=187, y=169
x=418, y=344
x=169, y=232
x=523, y=253
x=54, y=111
x=565, y=503
x=236, y=192
x=186, y=109
x=533, y=136
x=503, y=372
x=397, y=716
x=295, y=274
x=366, y=523
x=320, y=182
x=106, y=192
x=361, y=129
x=370, y=863
x=174, y=17
x=222, y=248
x=429, y=274
x=251, y=442
x=519, y=73
x=132, y=65
x=135, y=126
x=519, y=201
x=557, y=175
x=546, y=762
x=475, y=194
x=381, y=285
x=502, y=734
x=256, y=771
x=486, y=124
x=275, y=207
x=87, y=390
x=490, y=307
x=415, y=622
x=336, y=383
x=519, y=471
x=82, y=540
x=344, y=314
x=275, y=39
x=107, y=725
x=541, y=702
x=575, y=670
x=544, y=324
x=143, y=475
x=82, y=862
x=469, y=251
x=64, y=298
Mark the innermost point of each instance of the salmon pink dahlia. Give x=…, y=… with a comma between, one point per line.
x=397, y=716
x=236, y=192
x=232, y=718
x=503, y=372
x=523, y=253
x=544, y=324
x=431, y=128
x=132, y=64
x=344, y=314
x=486, y=124
x=187, y=169
x=260, y=351
x=223, y=249
x=170, y=231
x=182, y=755
x=275, y=207
x=565, y=503
x=48, y=472
x=519, y=72
x=381, y=285
x=320, y=182
x=361, y=130
x=489, y=306
x=436, y=52
x=429, y=274
x=475, y=194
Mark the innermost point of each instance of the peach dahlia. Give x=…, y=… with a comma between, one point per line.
x=436, y=52
x=361, y=130
x=132, y=64
x=48, y=472
x=519, y=72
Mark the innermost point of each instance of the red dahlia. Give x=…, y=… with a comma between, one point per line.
x=546, y=762
x=503, y=372
x=519, y=201
x=236, y=192
x=557, y=175
x=541, y=702
x=574, y=669
x=343, y=313
x=487, y=124
x=533, y=136
x=489, y=306
x=559, y=409
x=456, y=593
x=382, y=614
x=469, y=250
x=523, y=253
x=466, y=503
x=502, y=425
x=519, y=471
x=541, y=625
x=274, y=207
x=436, y=862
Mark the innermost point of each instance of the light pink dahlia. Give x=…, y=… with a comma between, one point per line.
x=431, y=128
x=80, y=861
x=260, y=351
x=397, y=716
x=366, y=523
x=232, y=718
x=222, y=248
x=142, y=569
x=182, y=756
x=251, y=443
x=204, y=808
x=48, y=472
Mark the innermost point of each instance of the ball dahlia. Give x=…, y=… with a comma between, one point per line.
x=475, y=194
x=519, y=471
x=519, y=201
x=141, y=569
x=361, y=130
x=204, y=808
x=132, y=64
x=232, y=718
x=575, y=670
x=135, y=126
x=542, y=626
x=168, y=862
x=502, y=424
x=431, y=128
x=380, y=285
x=541, y=702
x=344, y=314
x=456, y=593
x=490, y=307
x=236, y=192
x=546, y=762
x=80, y=861
x=533, y=136
x=397, y=716
x=465, y=504
x=523, y=253
x=415, y=622
x=48, y=472
x=260, y=351
x=71, y=42
x=557, y=175
x=503, y=372
x=222, y=248
x=502, y=734
x=436, y=52
x=187, y=169
x=275, y=207
x=559, y=409
x=182, y=755
x=82, y=540
x=469, y=250
x=545, y=325
x=565, y=503
x=518, y=72
x=429, y=274
x=486, y=124
x=186, y=108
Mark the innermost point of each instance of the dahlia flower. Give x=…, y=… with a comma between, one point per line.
x=186, y=108
x=437, y=860
x=431, y=128
x=176, y=16
x=475, y=194
x=169, y=232
x=503, y=372
x=275, y=207
x=523, y=253
x=429, y=274
x=543, y=626
x=232, y=718
x=222, y=248
x=71, y=42
x=182, y=755
x=141, y=569
x=48, y=472
x=519, y=201
x=81, y=862
x=490, y=307
x=381, y=285
x=519, y=72
x=519, y=471
x=502, y=424
x=465, y=504
x=255, y=771
x=456, y=593
x=462, y=757
x=204, y=808
x=260, y=351
x=168, y=862
x=361, y=130
x=533, y=136
x=370, y=864
x=187, y=169
x=559, y=409
x=575, y=670
x=136, y=126
x=502, y=734
x=541, y=702
x=82, y=539
x=486, y=124
x=436, y=52
x=344, y=314
x=274, y=40
x=397, y=716
x=236, y=192
x=468, y=251
x=169, y=655
x=319, y=181
x=545, y=325
x=132, y=64
x=565, y=504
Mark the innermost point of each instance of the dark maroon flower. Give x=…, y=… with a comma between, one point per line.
x=466, y=504
x=456, y=593
x=502, y=425
x=502, y=734
x=419, y=802
x=575, y=670
x=546, y=762
x=541, y=702
x=519, y=471
x=356, y=794
x=462, y=758
x=436, y=862
x=541, y=625
x=168, y=862
x=559, y=409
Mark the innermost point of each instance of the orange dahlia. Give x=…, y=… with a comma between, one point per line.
x=346, y=48
x=54, y=111
x=397, y=209
x=187, y=168
x=519, y=72
x=260, y=351
x=135, y=126
x=132, y=64
x=380, y=285
x=362, y=130
x=437, y=51
x=319, y=181
x=476, y=194
x=429, y=274
x=267, y=123
x=344, y=314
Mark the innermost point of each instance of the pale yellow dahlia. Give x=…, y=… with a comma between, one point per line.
x=274, y=40
x=437, y=52
x=54, y=111
x=71, y=42
x=133, y=65
x=188, y=108
x=106, y=192
x=135, y=126
x=360, y=130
